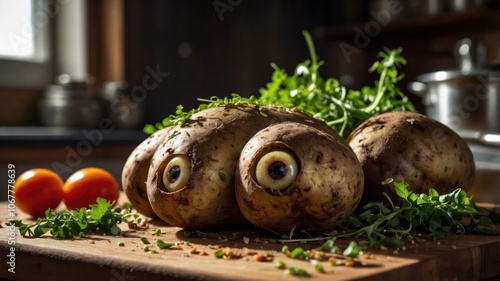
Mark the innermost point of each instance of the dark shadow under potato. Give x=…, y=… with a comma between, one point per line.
x=413, y=148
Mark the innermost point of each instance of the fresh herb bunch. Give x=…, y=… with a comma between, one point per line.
x=325, y=99
x=436, y=214
x=180, y=116
x=67, y=224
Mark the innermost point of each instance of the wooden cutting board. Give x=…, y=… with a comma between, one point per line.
x=457, y=257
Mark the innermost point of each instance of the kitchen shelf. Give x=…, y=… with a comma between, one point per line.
x=20, y=136
x=483, y=18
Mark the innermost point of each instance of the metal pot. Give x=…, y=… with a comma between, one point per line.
x=69, y=104
x=461, y=101
x=466, y=99
x=120, y=107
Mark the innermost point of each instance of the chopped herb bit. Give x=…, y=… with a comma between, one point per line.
x=319, y=268
x=198, y=233
x=353, y=250
x=163, y=245
x=297, y=253
x=158, y=232
x=219, y=254
x=293, y=270
x=284, y=249
x=329, y=246
x=145, y=240
x=280, y=265
x=121, y=244
x=222, y=176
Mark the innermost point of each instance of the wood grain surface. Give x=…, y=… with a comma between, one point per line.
x=98, y=257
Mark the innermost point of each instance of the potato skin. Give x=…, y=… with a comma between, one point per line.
x=413, y=148
x=327, y=189
x=135, y=172
x=213, y=139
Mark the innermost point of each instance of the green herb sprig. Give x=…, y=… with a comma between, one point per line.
x=180, y=116
x=391, y=225
x=432, y=213
x=325, y=99
x=67, y=224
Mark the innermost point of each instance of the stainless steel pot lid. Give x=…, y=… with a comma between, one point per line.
x=472, y=62
x=485, y=138
x=66, y=88
x=447, y=75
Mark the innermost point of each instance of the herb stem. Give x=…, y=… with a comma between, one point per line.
x=312, y=53
x=380, y=92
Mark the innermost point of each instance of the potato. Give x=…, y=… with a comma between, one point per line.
x=191, y=178
x=292, y=176
x=413, y=148
x=135, y=172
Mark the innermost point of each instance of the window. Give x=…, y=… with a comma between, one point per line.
x=24, y=38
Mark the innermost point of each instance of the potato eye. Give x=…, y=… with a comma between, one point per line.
x=276, y=170
x=177, y=172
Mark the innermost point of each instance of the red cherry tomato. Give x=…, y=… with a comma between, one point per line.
x=37, y=190
x=83, y=187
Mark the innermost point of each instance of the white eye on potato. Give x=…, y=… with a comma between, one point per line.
x=276, y=170
x=292, y=176
x=191, y=177
x=177, y=173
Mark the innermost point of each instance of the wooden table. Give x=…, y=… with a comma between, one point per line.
x=457, y=257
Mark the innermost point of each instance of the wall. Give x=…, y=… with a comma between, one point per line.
x=206, y=53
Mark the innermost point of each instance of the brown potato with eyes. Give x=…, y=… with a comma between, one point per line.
x=413, y=148
x=292, y=176
x=191, y=178
x=135, y=172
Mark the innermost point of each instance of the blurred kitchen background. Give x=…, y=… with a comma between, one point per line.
x=79, y=79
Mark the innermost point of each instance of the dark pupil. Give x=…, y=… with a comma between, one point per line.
x=174, y=173
x=277, y=170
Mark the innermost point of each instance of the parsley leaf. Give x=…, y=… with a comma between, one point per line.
x=67, y=224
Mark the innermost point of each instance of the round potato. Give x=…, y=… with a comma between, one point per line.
x=292, y=176
x=413, y=148
x=191, y=178
x=135, y=172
